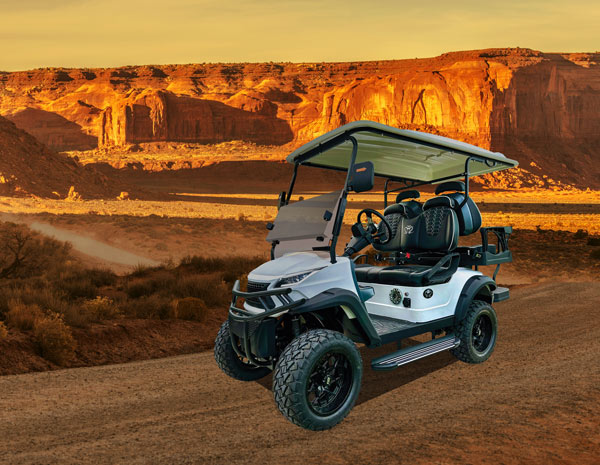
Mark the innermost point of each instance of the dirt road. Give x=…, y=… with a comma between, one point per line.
x=536, y=401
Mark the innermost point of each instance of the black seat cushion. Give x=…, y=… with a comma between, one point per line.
x=401, y=275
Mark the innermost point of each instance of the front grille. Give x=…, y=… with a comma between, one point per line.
x=237, y=327
x=256, y=287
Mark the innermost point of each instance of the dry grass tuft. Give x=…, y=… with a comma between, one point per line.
x=22, y=316
x=190, y=308
x=54, y=339
x=3, y=331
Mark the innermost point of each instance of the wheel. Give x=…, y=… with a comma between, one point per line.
x=317, y=379
x=231, y=363
x=477, y=333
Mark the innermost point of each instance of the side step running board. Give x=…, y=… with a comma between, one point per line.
x=410, y=354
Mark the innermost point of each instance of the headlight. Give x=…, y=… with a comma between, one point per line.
x=295, y=279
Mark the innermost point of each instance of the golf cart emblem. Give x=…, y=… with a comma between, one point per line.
x=409, y=228
x=427, y=293
x=396, y=296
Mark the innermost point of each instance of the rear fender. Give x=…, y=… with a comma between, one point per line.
x=476, y=287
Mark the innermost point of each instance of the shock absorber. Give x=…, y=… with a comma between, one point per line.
x=296, y=325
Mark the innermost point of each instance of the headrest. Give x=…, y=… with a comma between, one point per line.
x=396, y=208
x=441, y=201
x=450, y=186
x=412, y=194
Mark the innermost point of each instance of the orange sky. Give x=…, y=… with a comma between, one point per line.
x=92, y=33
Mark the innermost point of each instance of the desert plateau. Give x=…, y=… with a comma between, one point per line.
x=132, y=198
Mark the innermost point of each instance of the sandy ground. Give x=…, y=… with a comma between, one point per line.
x=536, y=401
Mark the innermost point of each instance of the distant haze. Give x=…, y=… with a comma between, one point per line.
x=102, y=33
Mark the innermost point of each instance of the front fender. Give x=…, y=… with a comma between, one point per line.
x=334, y=298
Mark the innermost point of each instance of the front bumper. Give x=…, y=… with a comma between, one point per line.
x=255, y=331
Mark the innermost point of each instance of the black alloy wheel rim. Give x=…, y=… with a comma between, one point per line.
x=329, y=383
x=482, y=333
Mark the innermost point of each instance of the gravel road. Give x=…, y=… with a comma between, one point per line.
x=536, y=401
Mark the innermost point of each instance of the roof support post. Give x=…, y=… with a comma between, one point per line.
x=342, y=207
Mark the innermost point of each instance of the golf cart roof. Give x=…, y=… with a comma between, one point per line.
x=399, y=154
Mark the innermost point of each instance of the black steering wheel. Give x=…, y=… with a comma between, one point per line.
x=369, y=229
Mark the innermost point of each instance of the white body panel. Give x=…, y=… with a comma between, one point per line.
x=441, y=304
x=339, y=275
x=328, y=275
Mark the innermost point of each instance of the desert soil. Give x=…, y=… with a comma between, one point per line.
x=536, y=401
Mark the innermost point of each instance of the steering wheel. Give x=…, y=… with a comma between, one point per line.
x=371, y=232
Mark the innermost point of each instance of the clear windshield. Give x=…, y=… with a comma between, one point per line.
x=306, y=219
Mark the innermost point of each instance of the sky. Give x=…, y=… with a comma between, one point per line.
x=110, y=33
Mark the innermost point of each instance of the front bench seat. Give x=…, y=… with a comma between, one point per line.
x=394, y=214
x=435, y=231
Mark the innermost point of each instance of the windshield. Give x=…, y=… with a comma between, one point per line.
x=308, y=223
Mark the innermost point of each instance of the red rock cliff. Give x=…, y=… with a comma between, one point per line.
x=535, y=107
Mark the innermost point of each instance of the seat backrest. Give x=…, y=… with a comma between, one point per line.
x=395, y=213
x=469, y=217
x=413, y=207
x=436, y=229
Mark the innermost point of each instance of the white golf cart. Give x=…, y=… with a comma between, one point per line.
x=304, y=311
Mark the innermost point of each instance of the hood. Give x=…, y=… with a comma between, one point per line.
x=290, y=264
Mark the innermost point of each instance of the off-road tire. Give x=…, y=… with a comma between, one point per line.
x=296, y=365
x=466, y=350
x=230, y=362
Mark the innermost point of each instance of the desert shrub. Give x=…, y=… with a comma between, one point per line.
x=140, y=270
x=54, y=339
x=190, y=308
x=595, y=254
x=90, y=311
x=75, y=286
x=593, y=241
x=100, y=276
x=100, y=308
x=3, y=331
x=210, y=288
x=580, y=234
x=25, y=253
x=44, y=296
x=233, y=265
x=153, y=306
x=160, y=281
x=22, y=316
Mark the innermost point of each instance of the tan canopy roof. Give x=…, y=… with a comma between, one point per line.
x=399, y=153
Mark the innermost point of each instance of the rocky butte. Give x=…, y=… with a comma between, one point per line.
x=539, y=108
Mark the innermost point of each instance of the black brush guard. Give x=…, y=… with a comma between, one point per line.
x=251, y=328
